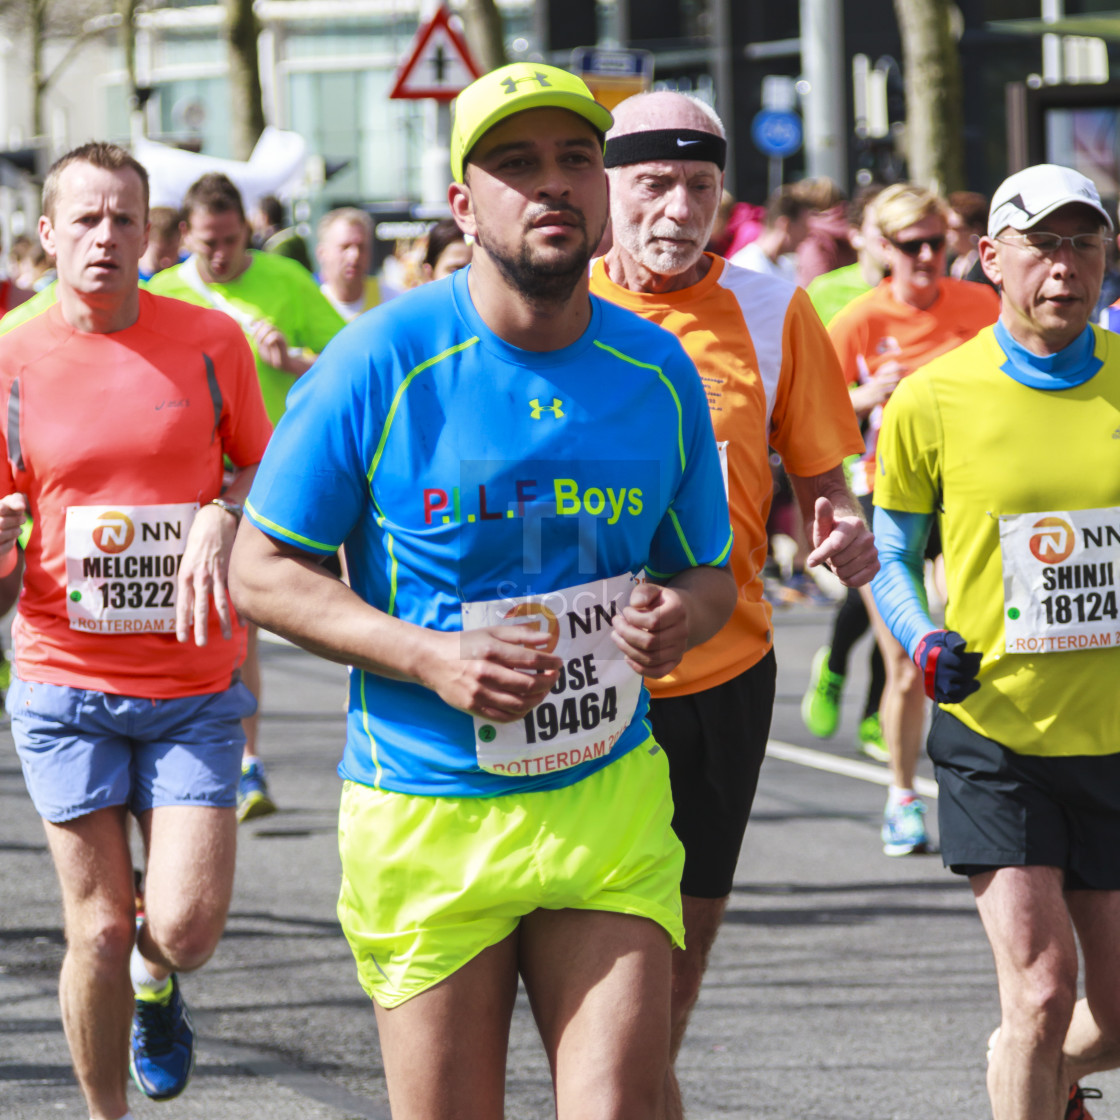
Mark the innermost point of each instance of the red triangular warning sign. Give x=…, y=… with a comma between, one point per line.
x=439, y=64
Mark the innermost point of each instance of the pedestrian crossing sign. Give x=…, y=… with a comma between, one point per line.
x=439, y=63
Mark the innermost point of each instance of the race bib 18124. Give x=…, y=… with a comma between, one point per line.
x=1060, y=584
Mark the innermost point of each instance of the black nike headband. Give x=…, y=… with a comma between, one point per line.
x=665, y=144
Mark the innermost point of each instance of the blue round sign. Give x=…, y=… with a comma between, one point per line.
x=776, y=133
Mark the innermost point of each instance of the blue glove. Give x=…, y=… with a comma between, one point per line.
x=949, y=672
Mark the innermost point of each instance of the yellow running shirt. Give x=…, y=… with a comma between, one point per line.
x=965, y=438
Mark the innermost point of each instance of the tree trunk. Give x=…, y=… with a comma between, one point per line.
x=934, y=121
x=246, y=99
x=37, y=10
x=66, y=22
x=483, y=23
x=127, y=9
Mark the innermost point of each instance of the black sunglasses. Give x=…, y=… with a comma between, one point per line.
x=914, y=248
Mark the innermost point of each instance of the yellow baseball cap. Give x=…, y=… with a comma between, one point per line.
x=513, y=89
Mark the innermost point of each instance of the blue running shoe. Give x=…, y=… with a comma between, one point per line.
x=161, y=1045
x=252, y=793
x=904, y=828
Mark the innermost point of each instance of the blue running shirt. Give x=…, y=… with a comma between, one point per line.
x=458, y=469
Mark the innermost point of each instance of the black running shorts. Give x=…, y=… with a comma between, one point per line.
x=715, y=742
x=997, y=808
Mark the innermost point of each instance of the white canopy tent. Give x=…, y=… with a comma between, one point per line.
x=277, y=167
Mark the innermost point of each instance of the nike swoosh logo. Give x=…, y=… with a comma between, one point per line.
x=686, y=143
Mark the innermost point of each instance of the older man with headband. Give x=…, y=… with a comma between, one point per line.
x=772, y=380
x=529, y=493
x=1011, y=442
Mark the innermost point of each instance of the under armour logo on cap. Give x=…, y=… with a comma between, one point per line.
x=510, y=84
x=489, y=100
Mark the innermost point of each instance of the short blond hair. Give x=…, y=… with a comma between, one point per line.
x=351, y=215
x=906, y=204
x=821, y=193
x=108, y=157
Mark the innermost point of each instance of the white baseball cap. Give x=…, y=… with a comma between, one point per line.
x=1029, y=195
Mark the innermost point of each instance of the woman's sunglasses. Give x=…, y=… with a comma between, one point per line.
x=913, y=248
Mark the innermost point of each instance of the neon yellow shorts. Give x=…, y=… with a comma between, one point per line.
x=429, y=882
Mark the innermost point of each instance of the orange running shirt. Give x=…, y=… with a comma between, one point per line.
x=138, y=417
x=772, y=380
x=876, y=328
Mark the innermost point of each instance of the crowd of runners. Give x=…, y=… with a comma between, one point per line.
x=557, y=621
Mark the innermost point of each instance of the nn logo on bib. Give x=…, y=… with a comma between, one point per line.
x=542, y=617
x=1052, y=541
x=114, y=532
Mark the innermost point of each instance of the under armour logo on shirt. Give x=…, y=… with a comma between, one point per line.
x=536, y=408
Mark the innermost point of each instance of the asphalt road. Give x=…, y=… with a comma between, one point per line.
x=845, y=985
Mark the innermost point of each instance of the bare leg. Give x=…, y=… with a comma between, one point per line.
x=1093, y=1041
x=445, y=1050
x=903, y=706
x=599, y=985
x=94, y=868
x=251, y=675
x=1028, y=926
x=702, y=918
x=191, y=853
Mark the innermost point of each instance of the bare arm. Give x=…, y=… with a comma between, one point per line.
x=834, y=524
x=663, y=621
x=10, y=585
x=878, y=389
x=498, y=672
x=273, y=347
x=13, y=513
x=204, y=571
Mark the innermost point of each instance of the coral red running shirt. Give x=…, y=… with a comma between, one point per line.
x=104, y=424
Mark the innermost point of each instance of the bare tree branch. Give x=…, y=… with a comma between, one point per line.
x=41, y=20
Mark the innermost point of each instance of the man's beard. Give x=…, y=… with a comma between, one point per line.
x=659, y=258
x=542, y=281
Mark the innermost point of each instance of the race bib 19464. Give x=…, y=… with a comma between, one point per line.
x=121, y=566
x=592, y=702
x=1060, y=580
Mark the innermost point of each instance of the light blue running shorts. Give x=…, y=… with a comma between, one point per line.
x=83, y=750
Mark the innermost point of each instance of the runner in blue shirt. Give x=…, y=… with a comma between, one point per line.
x=528, y=491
